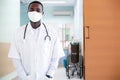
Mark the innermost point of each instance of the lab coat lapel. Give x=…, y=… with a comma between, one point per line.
x=31, y=40
x=39, y=52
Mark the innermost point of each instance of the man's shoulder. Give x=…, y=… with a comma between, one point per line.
x=50, y=28
x=19, y=30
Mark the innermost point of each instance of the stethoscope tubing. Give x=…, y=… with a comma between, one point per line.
x=47, y=35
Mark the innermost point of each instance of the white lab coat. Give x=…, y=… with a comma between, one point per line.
x=36, y=55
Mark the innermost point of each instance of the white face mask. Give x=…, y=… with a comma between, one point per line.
x=35, y=16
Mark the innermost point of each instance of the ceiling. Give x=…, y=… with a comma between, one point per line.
x=52, y=2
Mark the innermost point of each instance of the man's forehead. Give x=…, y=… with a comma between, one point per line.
x=35, y=5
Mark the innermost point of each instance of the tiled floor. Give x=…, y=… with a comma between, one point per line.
x=60, y=75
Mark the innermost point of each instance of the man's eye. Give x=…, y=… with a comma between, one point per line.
x=31, y=9
x=38, y=10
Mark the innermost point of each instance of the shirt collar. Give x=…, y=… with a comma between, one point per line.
x=41, y=27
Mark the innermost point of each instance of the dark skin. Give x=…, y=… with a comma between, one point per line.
x=35, y=7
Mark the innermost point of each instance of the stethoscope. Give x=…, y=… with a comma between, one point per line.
x=47, y=35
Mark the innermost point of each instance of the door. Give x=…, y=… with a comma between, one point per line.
x=102, y=39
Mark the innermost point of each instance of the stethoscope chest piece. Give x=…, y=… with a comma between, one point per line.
x=47, y=37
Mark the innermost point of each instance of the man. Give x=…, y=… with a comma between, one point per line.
x=36, y=48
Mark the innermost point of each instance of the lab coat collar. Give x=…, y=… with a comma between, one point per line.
x=41, y=27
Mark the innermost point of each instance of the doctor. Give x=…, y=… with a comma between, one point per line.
x=36, y=49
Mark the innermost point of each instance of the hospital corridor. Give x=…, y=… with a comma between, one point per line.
x=52, y=38
x=59, y=39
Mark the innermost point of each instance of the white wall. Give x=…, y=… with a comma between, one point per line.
x=78, y=21
x=9, y=19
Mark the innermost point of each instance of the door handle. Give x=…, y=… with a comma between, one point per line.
x=88, y=28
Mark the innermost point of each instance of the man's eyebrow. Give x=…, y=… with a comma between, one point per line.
x=31, y=8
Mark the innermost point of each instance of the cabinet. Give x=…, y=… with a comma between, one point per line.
x=102, y=47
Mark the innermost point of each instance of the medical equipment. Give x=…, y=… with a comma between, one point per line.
x=74, y=61
x=47, y=35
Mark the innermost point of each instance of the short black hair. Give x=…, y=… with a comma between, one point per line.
x=35, y=2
